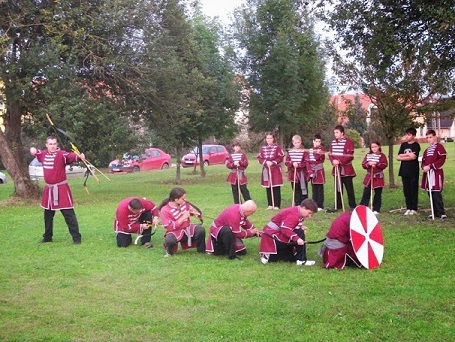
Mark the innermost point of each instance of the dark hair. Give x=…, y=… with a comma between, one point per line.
x=317, y=136
x=431, y=131
x=377, y=143
x=339, y=128
x=236, y=143
x=135, y=203
x=310, y=204
x=269, y=133
x=175, y=193
x=411, y=131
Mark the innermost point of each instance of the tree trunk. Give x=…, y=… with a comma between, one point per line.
x=23, y=186
x=391, y=160
x=178, y=152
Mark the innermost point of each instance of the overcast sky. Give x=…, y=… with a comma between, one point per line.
x=221, y=8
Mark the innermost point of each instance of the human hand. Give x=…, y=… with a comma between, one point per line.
x=300, y=242
x=33, y=151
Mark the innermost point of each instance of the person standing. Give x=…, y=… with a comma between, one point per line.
x=229, y=228
x=175, y=213
x=135, y=215
x=433, y=159
x=297, y=173
x=337, y=251
x=315, y=167
x=237, y=163
x=374, y=163
x=341, y=156
x=57, y=193
x=270, y=156
x=283, y=238
x=408, y=155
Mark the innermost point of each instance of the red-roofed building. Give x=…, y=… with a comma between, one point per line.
x=341, y=102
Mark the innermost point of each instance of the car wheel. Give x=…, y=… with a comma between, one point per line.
x=136, y=169
x=165, y=166
x=206, y=163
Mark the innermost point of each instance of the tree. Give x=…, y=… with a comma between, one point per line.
x=357, y=115
x=282, y=62
x=66, y=59
x=398, y=53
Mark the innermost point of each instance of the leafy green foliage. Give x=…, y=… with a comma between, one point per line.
x=283, y=65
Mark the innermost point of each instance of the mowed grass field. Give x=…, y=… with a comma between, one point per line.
x=98, y=292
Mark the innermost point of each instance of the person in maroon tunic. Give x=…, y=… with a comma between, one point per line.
x=270, y=157
x=283, y=238
x=337, y=251
x=57, y=193
x=297, y=171
x=433, y=159
x=315, y=167
x=341, y=156
x=135, y=215
x=237, y=163
x=175, y=213
x=226, y=231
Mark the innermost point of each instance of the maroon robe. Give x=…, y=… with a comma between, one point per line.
x=275, y=154
x=282, y=228
x=126, y=221
x=57, y=193
x=378, y=174
x=340, y=233
x=296, y=156
x=240, y=170
x=435, y=157
x=315, y=165
x=169, y=216
x=233, y=218
x=343, y=151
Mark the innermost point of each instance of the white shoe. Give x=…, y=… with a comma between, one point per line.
x=407, y=212
x=167, y=255
x=412, y=212
x=264, y=258
x=320, y=209
x=269, y=207
x=376, y=212
x=276, y=208
x=305, y=263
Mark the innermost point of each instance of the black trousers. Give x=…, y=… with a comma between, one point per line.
x=224, y=244
x=70, y=219
x=298, y=196
x=349, y=186
x=438, y=204
x=377, y=198
x=276, y=196
x=170, y=241
x=124, y=240
x=411, y=191
x=290, y=252
x=243, y=190
x=318, y=194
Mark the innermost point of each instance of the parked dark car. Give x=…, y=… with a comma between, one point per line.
x=152, y=159
x=211, y=155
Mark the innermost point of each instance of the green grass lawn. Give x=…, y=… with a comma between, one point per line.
x=98, y=292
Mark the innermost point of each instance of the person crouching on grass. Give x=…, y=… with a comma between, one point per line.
x=283, y=238
x=135, y=215
x=229, y=228
x=175, y=214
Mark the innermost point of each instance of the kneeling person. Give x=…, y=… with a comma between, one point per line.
x=226, y=231
x=135, y=215
x=283, y=238
x=337, y=251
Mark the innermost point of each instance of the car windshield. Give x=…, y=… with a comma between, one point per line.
x=205, y=150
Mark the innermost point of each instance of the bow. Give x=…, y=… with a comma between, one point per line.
x=291, y=243
x=74, y=148
x=199, y=210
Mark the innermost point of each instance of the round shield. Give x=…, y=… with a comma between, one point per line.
x=366, y=237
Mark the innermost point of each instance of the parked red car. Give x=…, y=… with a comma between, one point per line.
x=211, y=154
x=152, y=159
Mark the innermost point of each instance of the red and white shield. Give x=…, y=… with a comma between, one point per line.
x=366, y=237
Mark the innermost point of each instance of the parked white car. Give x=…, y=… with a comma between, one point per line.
x=35, y=169
x=2, y=178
